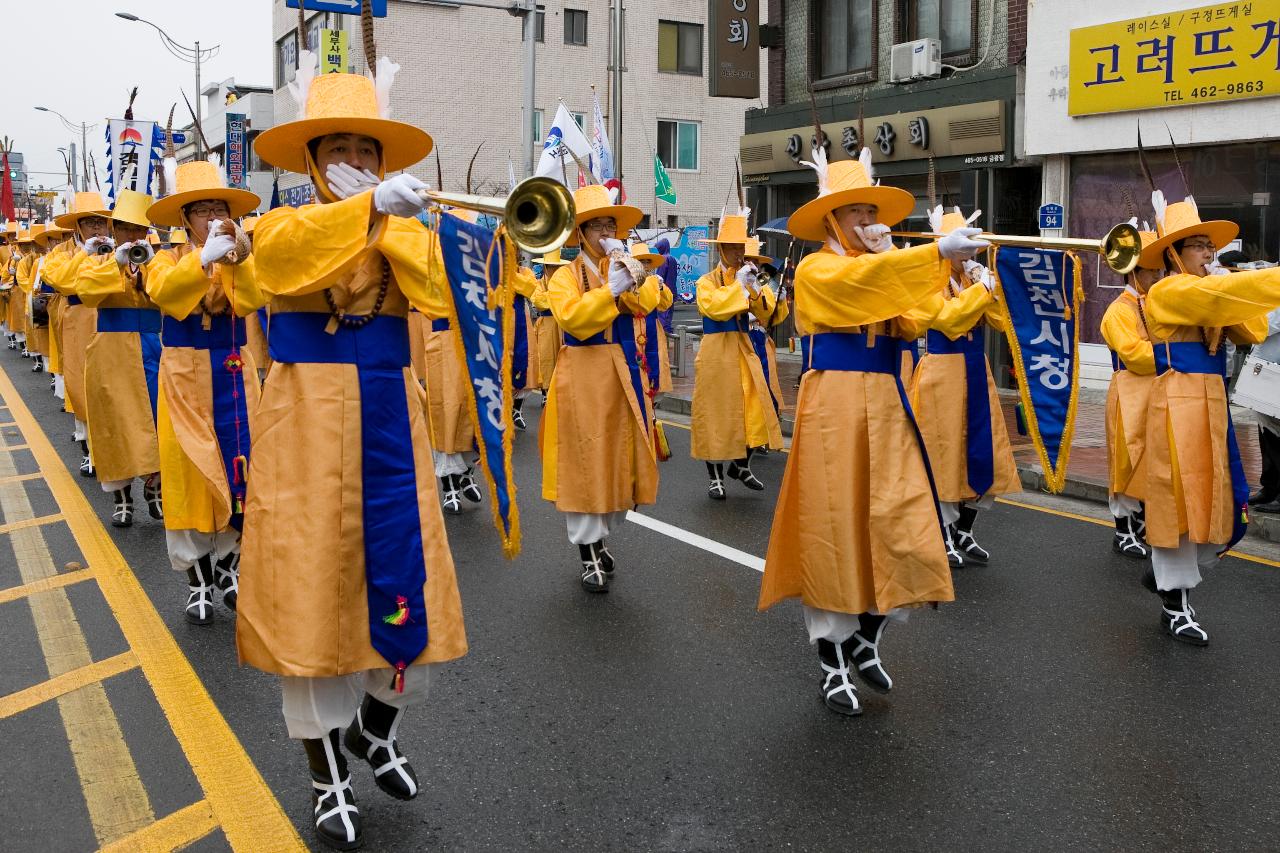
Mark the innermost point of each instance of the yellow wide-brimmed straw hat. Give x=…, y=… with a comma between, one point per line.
x=343, y=103
x=154, y=238
x=1152, y=258
x=248, y=224
x=51, y=235
x=847, y=182
x=552, y=259
x=32, y=234
x=131, y=208
x=86, y=204
x=177, y=236
x=1180, y=220
x=200, y=180
x=594, y=202
x=640, y=251
x=11, y=231
x=733, y=229
x=754, y=244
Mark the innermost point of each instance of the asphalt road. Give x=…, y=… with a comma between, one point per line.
x=1043, y=709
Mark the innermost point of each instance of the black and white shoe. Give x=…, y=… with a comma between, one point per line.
x=954, y=560
x=715, y=471
x=53, y=382
x=606, y=559
x=38, y=367
x=468, y=486
x=1179, y=618
x=594, y=577
x=12, y=341
x=965, y=543
x=866, y=651
x=152, y=495
x=740, y=469
x=1140, y=524
x=86, y=462
x=26, y=353
x=517, y=416
x=226, y=577
x=122, y=514
x=372, y=736
x=1126, y=540
x=199, y=609
x=837, y=690
x=452, y=501
x=334, y=804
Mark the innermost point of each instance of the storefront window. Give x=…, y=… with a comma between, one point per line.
x=1234, y=182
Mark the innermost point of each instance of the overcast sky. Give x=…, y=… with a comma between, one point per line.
x=77, y=57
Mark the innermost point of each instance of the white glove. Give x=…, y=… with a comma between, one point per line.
x=979, y=274
x=747, y=278
x=875, y=237
x=346, y=180
x=620, y=279
x=398, y=196
x=1215, y=268
x=216, y=247
x=609, y=245
x=959, y=245
x=93, y=244
x=122, y=252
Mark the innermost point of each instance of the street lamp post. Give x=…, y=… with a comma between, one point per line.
x=192, y=55
x=84, y=140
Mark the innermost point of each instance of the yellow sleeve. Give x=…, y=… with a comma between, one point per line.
x=665, y=297
x=720, y=303
x=644, y=298
x=62, y=268
x=914, y=322
x=781, y=312
x=994, y=316
x=303, y=250
x=1120, y=331
x=579, y=314
x=177, y=286
x=526, y=282
x=414, y=253
x=539, y=298
x=26, y=267
x=1213, y=300
x=961, y=313
x=835, y=291
x=762, y=305
x=1249, y=332
x=240, y=284
x=100, y=277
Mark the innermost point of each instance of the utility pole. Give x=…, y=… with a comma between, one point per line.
x=530, y=69
x=618, y=50
x=75, y=169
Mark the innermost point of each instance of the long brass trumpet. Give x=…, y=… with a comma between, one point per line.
x=1120, y=248
x=538, y=213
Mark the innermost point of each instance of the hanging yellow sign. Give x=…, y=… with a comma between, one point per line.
x=1204, y=55
x=333, y=51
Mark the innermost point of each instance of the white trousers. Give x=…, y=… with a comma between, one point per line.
x=838, y=627
x=313, y=707
x=22, y=337
x=1123, y=506
x=950, y=510
x=186, y=547
x=59, y=386
x=588, y=527
x=81, y=432
x=115, y=485
x=1179, y=568
x=449, y=463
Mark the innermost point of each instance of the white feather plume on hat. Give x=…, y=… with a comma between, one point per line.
x=170, y=166
x=301, y=83
x=384, y=75
x=819, y=165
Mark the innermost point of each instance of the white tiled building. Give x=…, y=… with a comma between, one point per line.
x=461, y=80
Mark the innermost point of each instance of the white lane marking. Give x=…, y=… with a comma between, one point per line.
x=751, y=561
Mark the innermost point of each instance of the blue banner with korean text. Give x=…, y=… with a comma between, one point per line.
x=1040, y=295
x=478, y=268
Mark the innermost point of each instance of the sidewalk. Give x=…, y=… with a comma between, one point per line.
x=1087, y=467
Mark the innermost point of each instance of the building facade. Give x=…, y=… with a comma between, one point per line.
x=463, y=85
x=1204, y=75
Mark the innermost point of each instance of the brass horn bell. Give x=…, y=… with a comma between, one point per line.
x=1121, y=248
x=538, y=213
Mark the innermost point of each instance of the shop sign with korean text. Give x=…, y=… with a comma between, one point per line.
x=734, y=39
x=1206, y=54
x=333, y=51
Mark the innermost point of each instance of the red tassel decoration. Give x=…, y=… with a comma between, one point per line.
x=240, y=465
x=401, y=616
x=397, y=680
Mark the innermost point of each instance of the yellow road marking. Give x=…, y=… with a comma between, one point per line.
x=9, y=424
x=243, y=805
x=12, y=447
x=113, y=794
x=24, y=523
x=172, y=832
x=13, y=593
x=38, y=694
x=18, y=478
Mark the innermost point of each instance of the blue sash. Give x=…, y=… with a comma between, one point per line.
x=758, y=343
x=654, y=336
x=73, y=300
x=979, y=454
x=849, y=351
x=145, y=323
x=440, y=324
x=520, y=353
x=394, y=564
x=1194, y=357
x=624, y=335
x=229, y=402
x=712, y=327
x=1116, y=363
x=806, y=358
x=538, y=315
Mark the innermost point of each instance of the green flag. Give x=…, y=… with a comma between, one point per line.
x=662, y=188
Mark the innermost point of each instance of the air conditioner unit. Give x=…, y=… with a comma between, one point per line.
x=915, y=60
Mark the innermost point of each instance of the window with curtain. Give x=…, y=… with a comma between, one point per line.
x=949, y=21
x=844, y=36
x=679, y=48
x=678, y=144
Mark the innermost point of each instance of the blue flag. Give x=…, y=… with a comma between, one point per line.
x=1040, y=295
x=481, y=312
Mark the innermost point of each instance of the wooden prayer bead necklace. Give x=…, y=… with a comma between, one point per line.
x=341, y=318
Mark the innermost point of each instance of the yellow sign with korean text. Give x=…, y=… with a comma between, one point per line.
x=333, y=51
x=1195, y=56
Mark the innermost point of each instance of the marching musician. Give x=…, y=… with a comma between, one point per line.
x=37, y=315
x=8, y=246
x=598, y=455
x=1124, y=328
x=349, y=592
x=90, y=222
x=208, y=383
x=956, y=404
x=524, y=354
x=657, y=358
x=56, y=306
x=733, y=411
x=1195, y=493
x=856, y=534
x=17, y=308
x=122, y=361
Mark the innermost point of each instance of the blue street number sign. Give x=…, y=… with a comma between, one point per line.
x=1050, y=216
x=342, y=7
